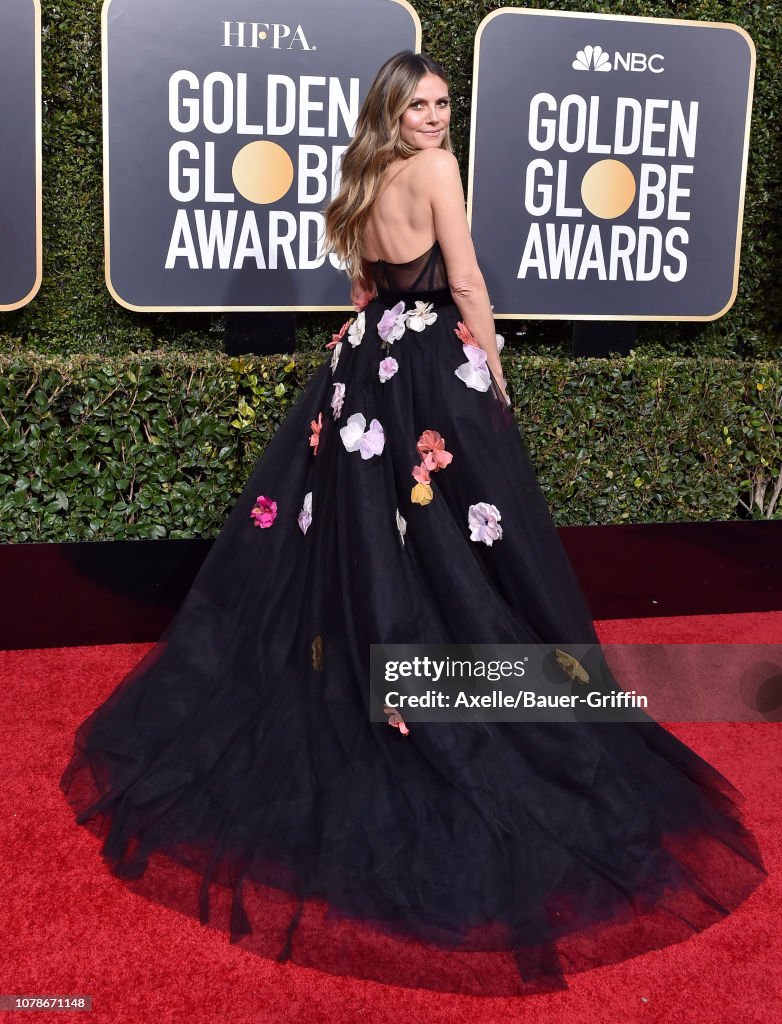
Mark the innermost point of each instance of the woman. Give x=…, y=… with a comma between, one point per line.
x=401, y=192
x=238, y=774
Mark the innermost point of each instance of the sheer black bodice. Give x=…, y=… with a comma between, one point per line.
x=425, y=276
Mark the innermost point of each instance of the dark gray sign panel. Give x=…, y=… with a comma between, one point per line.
x=224, y=125
x=607, y=164
x=20, y=152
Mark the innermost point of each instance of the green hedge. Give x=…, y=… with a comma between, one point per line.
x=160, y=444
x=73, y=311
x=116, y=424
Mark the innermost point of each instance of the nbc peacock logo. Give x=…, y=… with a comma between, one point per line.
x=592, y=58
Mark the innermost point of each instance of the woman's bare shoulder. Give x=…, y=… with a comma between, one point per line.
x=436, y=170
x=434, y=160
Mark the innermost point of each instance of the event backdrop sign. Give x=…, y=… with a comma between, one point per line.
x=607, y=164
x=20, y=152
x=224, y=125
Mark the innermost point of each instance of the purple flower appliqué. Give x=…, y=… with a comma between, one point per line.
x=387, y=369
x=475, y=372
x=391, y=325
x=337, y=399
x=483, y=519
x=355, y=439
x=305, y=516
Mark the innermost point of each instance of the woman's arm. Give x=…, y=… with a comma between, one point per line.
x=439, y=175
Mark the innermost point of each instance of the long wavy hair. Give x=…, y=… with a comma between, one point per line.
x=377, y=142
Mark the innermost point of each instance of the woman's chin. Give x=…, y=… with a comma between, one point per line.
x=429, y=142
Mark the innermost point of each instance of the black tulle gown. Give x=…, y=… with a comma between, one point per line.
x=235, y=774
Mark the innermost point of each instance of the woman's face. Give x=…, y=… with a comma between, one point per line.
x=424, y=122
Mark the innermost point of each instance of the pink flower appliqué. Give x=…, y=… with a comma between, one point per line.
x=483, y=520
x=431, y=446
x=335, y=338
x=264, y=511
x=387, y=369
x=317, y=426
x=395, y=719
x=421, y=474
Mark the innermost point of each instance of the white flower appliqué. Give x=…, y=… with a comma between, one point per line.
x=394, y=321
x=401, y=525
x=356, y=329
x=483, y=520
x=335, y=356
x=421, y=316
x=355, y=438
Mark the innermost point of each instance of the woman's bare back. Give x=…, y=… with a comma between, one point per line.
x=400, y=226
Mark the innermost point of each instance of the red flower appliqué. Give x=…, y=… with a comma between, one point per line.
x=465, y=335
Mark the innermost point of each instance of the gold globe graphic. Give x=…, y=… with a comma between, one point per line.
x=608, y=189
x=262, y=172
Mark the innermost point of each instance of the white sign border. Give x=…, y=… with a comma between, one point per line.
x=38, y=174
x=619, y=17
x=106, y=218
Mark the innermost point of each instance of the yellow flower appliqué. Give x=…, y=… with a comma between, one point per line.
x=421, y=494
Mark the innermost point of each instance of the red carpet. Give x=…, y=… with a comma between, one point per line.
x=70, y=928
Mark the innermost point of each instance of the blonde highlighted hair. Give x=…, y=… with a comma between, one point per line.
x=377, y=142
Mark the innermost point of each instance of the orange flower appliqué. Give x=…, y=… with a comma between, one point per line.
x=431, y=446
x=317, y=426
